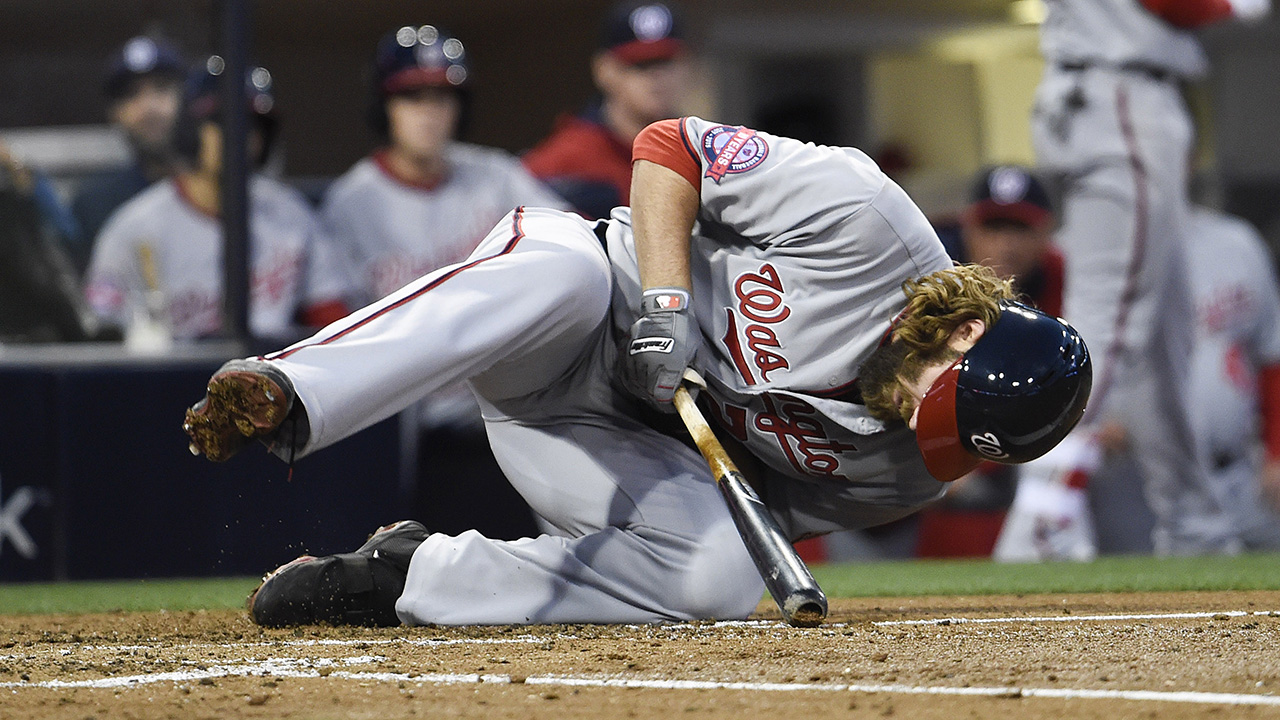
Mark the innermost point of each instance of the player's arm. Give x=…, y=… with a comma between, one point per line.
x=1196, y=13
x=664, y=206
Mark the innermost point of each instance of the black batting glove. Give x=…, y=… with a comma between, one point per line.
x=661, y=345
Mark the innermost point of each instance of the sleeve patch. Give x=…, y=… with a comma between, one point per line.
x=730, y=150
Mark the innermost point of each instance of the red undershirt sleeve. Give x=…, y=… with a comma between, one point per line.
x=664, y=143
x=1269, y=387
x=1189, y=13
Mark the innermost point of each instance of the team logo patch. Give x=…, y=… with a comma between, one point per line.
x=988, y=444
x=732, y=150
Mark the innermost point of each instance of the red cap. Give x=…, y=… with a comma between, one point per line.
x=937, y=432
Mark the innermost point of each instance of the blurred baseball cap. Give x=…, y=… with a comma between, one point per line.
x=141, y=56
x=414, y=57
x=637, y=33
x=1011, y=193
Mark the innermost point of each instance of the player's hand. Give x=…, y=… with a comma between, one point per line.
x=661, y=345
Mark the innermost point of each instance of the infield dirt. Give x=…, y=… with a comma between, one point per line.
x=1043, y=656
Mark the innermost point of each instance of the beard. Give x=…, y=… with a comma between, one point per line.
x=878, y=378
x=886, y=371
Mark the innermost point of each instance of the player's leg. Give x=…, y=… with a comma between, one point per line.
x=538, y=285
x=641, y=535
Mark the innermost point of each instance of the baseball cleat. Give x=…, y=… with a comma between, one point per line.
x=246, y=399
x=357, y=588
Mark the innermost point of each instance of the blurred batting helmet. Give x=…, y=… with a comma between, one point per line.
x=411, y=58
x=142, y=56
x=1010, y=398
x=414, y=57
x=203, y=102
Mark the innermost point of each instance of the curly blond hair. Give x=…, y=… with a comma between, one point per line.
x=937, y=304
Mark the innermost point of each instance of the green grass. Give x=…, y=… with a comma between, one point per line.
x=108, y=596
x=872, y=579
x=1106, y=574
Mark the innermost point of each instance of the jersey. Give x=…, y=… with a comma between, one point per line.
x=391, y=231
x=1238, y=330
x=1118, y=33
x=585, y=162
x=160, y=237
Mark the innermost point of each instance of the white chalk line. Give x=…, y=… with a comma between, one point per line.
x=1081, y=618
x=301, y=668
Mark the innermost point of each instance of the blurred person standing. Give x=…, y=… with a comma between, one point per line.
x=641, y=75
x=420, y=202
x=1112, y=131
x=1235, y=374
x=143, y=87
x=159, y=256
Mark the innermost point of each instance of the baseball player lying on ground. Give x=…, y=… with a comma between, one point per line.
x=774, y=268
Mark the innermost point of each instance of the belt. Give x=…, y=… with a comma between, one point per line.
x=1152, y=72
x=600, y=228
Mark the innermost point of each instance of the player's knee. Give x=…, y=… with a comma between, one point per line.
x=721, y=581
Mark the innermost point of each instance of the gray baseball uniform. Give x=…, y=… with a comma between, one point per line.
x=1111, y=127
x=798, y=258
x=291, y=260
x=1238, y=334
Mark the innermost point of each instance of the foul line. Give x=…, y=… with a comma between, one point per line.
x=1080, y=618
x=295, y=668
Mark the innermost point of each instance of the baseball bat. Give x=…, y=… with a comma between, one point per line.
x=788, y=580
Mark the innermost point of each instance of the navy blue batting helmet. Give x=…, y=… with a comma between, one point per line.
x=1010, y=398
x=415, y=57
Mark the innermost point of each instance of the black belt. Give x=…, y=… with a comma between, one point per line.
x=601, y=227
x=1158, y=74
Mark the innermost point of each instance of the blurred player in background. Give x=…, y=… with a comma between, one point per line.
x=641, y=74
x=1235, y=374
x=144, y=89
x=1111, y=128
x=159, y=257
x=422, y=201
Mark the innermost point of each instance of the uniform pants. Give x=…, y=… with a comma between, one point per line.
x=1117, y=143
x=636, y=530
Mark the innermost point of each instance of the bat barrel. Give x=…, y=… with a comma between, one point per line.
x=788, y=580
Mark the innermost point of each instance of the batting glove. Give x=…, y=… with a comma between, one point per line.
x=662, y=344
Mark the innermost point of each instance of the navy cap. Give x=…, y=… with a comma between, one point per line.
x=1010, y=192
x=638, y=33
x=143, y=55
x=415, y=57
x=203, y=99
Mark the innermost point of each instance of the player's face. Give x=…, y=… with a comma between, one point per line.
x=1011, y=249
x=648, y=91
x=423, y=121
x=148, y=112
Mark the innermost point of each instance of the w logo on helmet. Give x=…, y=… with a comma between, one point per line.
x=989, y=445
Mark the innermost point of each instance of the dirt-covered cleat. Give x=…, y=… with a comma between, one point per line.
x=245, y=400
x=358, y=588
